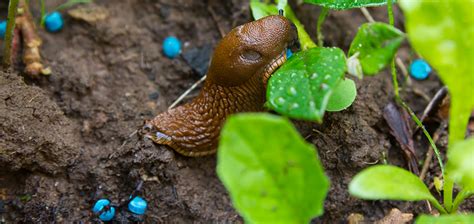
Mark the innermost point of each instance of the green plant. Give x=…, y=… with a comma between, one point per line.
x=272, y=174
x=450, y=51
x=312, y=82
x=388, y=182
x=12, y=10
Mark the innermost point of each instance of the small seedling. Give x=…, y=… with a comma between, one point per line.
x=171, y=47
x=386, y=182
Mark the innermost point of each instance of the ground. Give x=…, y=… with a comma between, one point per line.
x=65, y=138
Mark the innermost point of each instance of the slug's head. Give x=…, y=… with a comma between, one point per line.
x=255, y=48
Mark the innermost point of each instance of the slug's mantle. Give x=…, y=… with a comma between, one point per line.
x=240, y=67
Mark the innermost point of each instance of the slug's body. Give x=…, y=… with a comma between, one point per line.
x=240, y=67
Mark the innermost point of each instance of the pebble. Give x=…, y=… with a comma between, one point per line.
x=420, y=69
x=53, y=22
x=3, y=28
x=171, y=47
x=198, y=58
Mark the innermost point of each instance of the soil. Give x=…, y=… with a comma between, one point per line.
x=65, y=139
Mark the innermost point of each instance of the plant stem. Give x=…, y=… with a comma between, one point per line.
x=305, y=39
x=43, y=13
x=448, y=193
x=407, y=108
x=390, y=12
x=322, y=17
x=438, y=206
x=12, y=9
x=459, y=199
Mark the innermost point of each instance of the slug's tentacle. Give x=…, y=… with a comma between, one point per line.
x=240, y=67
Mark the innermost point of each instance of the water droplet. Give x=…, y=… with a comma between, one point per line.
x=314, y=75
x=312, y=104
x=292, y=91
x=293, y=75
x=324, y=86
x=280, y=101
x=326, y=77
x=294, y=106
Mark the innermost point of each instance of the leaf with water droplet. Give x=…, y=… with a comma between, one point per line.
x=347, y=4
x=376, y=44
x=306, y=93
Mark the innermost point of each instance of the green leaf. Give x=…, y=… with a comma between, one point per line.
x=377, y=44
x=442, y=33
x=260, y=9
x=343, y=96
x=347, y=4
x=460, y=166
x=271, y=173
x=302, y=86
x=389, y=182
x=446, y=219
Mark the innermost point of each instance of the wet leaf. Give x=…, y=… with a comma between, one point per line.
x=389, y=182
x=343, y=96
x=301, y=88
x=442, y=33
x=347, y=4
x=261, y=9
x=443, y=219
x=460, y=164
x=271, y=173
x=377, y=44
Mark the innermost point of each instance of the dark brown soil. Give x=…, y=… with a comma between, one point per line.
x=64, y=139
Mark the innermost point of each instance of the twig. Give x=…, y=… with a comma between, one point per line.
x=367, y=14
x=214, y=18
x=429, y=154
x=12, y=10
x=180, y=98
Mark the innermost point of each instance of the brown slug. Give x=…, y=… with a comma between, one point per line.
x=236, y=81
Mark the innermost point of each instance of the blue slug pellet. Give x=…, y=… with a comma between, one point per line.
x=98, y=208
x=137, y=205
x=171, y=47
x=288, y=53
x=3, y=28
x=53, y=22
x=420, y=69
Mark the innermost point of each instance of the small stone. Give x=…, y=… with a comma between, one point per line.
x=153, y=95
x=198, y=58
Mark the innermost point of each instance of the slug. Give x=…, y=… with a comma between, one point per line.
x=240, y=67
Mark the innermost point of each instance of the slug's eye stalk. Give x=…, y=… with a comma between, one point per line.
x=280, y=12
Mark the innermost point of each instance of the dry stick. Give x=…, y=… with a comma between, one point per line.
x=429, y=154
x=12, y=10
x=180, y=98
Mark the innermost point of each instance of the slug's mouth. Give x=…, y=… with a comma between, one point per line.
x=293, y=46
